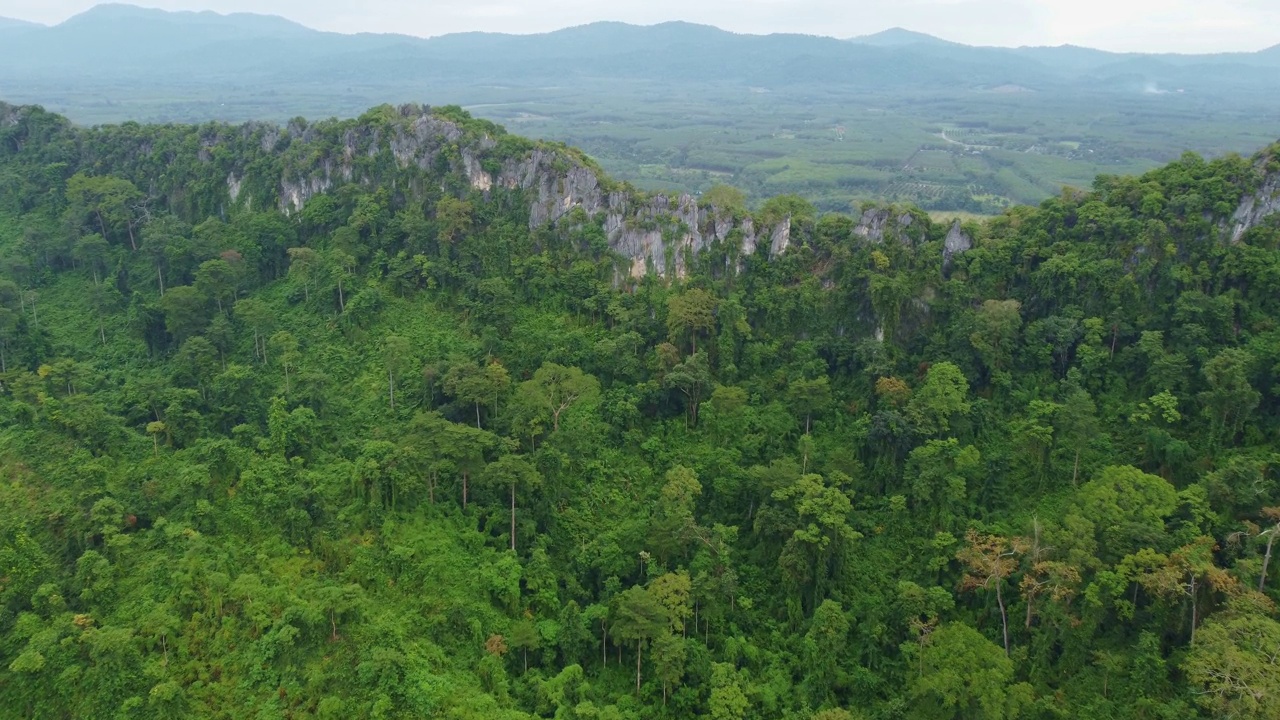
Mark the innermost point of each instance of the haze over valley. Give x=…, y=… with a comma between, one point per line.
x=896, y=115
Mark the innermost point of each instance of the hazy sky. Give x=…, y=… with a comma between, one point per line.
x=1135, y=25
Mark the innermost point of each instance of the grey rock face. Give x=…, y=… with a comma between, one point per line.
x=877, y=224
x=659, y=233
x=956, y=242
x=781, y=239
x=1256, y=208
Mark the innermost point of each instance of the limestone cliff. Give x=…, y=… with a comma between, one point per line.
x=658, y=234
x=1256, y=208
x=426, y=152
x=956, y=242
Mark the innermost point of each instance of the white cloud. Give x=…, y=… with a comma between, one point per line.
x=1136, y=25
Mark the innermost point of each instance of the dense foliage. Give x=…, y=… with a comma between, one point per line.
x=396, y=455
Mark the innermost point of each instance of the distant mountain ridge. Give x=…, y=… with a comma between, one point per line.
x=117, y=12
x=897, y=37
x=16, y=24
x=119, y=39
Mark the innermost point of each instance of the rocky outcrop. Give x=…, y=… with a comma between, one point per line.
x=1256, y=208
x=10, y=115
x=665, y=234
x=956, y=242
x=880, y=223
x=781, y=238
x=660, y=234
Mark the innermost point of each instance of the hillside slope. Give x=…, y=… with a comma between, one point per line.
x=405, y=416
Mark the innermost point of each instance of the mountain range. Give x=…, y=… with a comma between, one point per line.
x=895, y=115
x=121, y=41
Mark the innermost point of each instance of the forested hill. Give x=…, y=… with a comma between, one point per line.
x=407, y=417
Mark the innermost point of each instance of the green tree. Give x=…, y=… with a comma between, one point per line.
x=10, y=318
x=638, y=616
x=1077, y=427
x=261, y=319
x=965, y=676
x=1128, y=507
x=107, y=203
x=1233, y=663
x=725, y=198
x=396, y=358
x=670, y=653
x=155, y=429
x=693, y=379
x=822, y=531
x=996, y=327
x=1230, y=398
x=556, y=388
x=942, y=397
x=93, y=251
x=524, y=637
x=197, y=363
x=184, y=311
x=674, y=525
x=453, y=220
x=809, y=397
x=512, y=472
x=304, y=265
x=341, y=265
x=689, y=314
x=471, y=383
x=824, y=643
x=938, y=476
x=776, y=209
x=216, y=279
x=164, y=240
x=727, y=700
x=285, y=347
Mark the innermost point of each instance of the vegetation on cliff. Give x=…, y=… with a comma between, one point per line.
x=310, y=423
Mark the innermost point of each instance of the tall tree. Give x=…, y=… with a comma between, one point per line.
x=1272, y=515
x=304, y=264
x=689, y=314
x=285, y=347
x=107, y=203
x=93, y=251
x=989, y=561
x=216, y=279
x=966, y=676
x=556, y=388
x=996, y=326
x=512, y=472
x=809, y=397
x=184, y=311
x=1188, y=572
x=261, y=319
x=638, y=616
x=693, y=379
x=396, y=358
x=942, y=397
x=1235, y=663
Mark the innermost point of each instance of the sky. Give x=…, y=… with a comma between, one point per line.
x=1118, y=25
